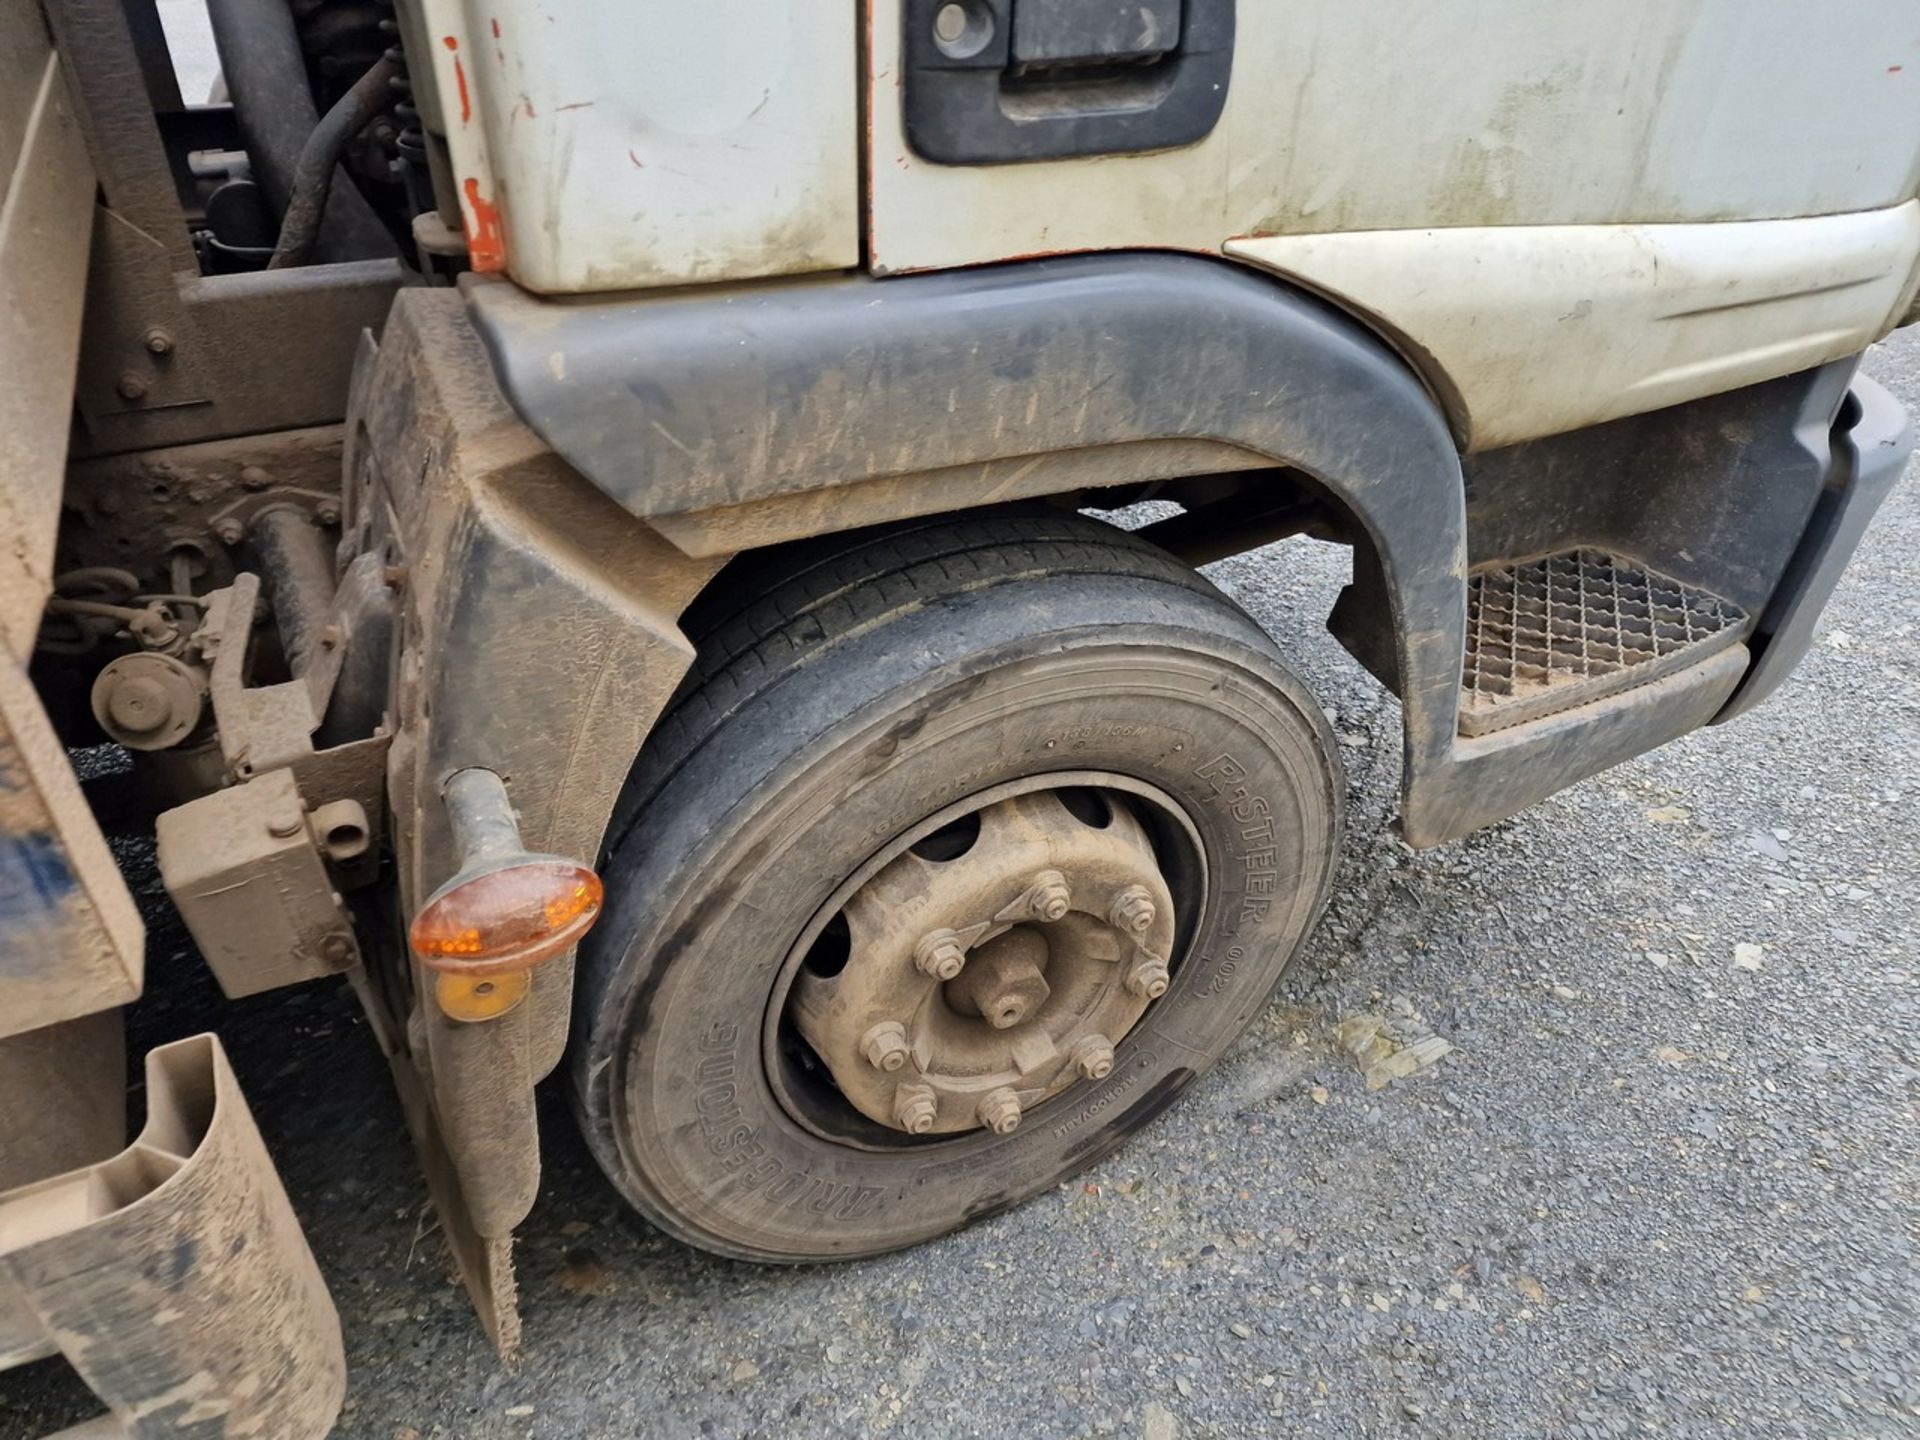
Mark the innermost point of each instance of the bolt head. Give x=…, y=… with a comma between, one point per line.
x=132, y=385
x=1048, y=898
x=1092, y=1056
x=252, y=477
x=231, y=532
x=1149, y=978
x=914, y=1108
x=1000, y=1111
x=1132, y=911
x=886, y=1046
x=327, y=513
x=940, y=955
x=950, y=23
x=159, y=342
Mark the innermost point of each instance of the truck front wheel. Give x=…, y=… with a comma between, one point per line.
x=964, y=850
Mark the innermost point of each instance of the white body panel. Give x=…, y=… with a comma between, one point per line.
x=1404, y=114
x=1532, y=199
x=1546, y=206
x=608, y=146
x=1532, y=330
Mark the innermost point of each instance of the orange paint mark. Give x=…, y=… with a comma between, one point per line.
x=450, y=42
x=1895, y=69
x=496, y=28
x=466, y=100
x=486, y=239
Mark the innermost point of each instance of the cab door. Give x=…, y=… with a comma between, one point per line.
x=1468, y=175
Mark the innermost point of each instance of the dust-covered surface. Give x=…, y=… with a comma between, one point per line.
x=1662, y=1177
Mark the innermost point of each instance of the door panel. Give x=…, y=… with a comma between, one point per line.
x=1373, y=118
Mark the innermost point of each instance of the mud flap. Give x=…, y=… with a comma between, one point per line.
x=174, y=1276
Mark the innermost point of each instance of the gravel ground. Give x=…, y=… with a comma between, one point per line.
x=1664, y=1184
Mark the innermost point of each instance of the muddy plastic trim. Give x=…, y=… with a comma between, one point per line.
x=699, y=399
x=1871, y=443
x=174, y=1277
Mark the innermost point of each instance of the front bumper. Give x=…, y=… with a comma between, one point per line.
x=1872, y=439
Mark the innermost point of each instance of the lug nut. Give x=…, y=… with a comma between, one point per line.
x=1000, y=1111
x=1132, y=910
x=914, y=1108
x=1048, y=897
x=1149, y=977
x=886, y=1045
x=940, y=954
x=1092, y=1056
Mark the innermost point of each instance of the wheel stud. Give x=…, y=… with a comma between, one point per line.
x=1000, y=1111
x=1048, y=897
x=940, y=954
x=1092, y=1055
x=886, y=1046
x=1132, y=911
x=914, y=1108
x=1149, y=977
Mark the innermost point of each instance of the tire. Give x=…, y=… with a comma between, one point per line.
x=844, y=693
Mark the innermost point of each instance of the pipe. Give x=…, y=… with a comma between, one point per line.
x=266, y=77
x=296, y=561
x=320, y=157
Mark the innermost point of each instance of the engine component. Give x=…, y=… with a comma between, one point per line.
x=150, y=701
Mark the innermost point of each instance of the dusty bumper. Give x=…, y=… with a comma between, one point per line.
x=173, y=1276
x=1869, y=455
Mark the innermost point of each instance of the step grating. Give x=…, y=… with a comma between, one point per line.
x=1546, y=635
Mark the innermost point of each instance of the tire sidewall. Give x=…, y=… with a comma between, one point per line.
x=677, y=984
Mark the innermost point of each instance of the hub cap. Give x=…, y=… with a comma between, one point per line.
x=979, y=985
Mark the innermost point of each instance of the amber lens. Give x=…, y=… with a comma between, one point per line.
x=507, y=919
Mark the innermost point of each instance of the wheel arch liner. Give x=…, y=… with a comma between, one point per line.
x=679, y=404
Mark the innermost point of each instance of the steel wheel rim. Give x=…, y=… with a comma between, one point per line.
x=802, y=1083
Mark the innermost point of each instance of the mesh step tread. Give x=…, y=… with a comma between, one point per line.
x=1546, y=635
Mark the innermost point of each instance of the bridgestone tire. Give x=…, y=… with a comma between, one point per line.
x=843, y=696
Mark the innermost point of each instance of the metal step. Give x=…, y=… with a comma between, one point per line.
x=1547, y=635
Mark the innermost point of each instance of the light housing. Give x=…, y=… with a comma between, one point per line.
x=507, y=916
x=506, y=910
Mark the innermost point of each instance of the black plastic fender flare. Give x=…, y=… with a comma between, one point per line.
x=693, y=399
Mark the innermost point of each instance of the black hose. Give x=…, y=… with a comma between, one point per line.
x=320, y=157
x=266, y=74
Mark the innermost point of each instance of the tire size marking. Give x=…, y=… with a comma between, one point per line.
x=736, y=1144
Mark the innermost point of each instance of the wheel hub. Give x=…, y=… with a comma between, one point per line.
x=978, y=984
